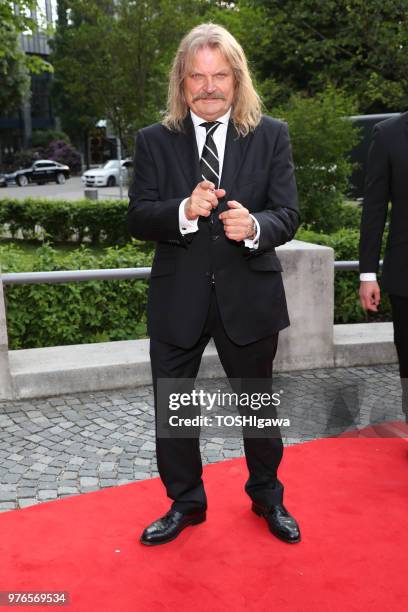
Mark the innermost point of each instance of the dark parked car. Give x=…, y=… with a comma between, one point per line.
x=3, y=182
x=42, y=171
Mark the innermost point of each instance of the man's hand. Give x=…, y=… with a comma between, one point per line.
x=370, y=295
x=203, y=199
x=238, y=223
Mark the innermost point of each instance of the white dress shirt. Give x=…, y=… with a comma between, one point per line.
x=188, y=226
x=368, y=276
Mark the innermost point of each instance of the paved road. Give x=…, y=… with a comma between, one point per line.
x=59, y=446
x=72, y=190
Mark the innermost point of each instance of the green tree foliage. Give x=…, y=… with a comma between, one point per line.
x=15, y=65
x=358, y=46
x=321, y=138
x=42, y=138
x=112, y=59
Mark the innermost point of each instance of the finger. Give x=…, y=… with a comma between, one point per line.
x=234, y=204
x=367, y=301
x=237, y=237
x=210, y=199
x=234, y=230
x=374, y=297
x=237, y=213
x=199, y=206
x=207, y=196
x=206, y=185
x=233, y=226
x=204, y=208
x=204, y=212
x=220, y=193
x=363, y=302
x=372, y=308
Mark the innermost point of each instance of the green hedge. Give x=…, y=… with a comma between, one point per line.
x=347, y=307
x=101, y=221
x=75, y=313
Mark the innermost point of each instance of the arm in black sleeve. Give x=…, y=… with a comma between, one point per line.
x=280, y=219
x=148, y=217
x=375, y=206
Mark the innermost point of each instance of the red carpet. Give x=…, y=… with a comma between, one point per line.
x=349, y=495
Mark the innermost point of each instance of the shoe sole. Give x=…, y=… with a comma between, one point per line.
x=195, y=521
x=260, y=512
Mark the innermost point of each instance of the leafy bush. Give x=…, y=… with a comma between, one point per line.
x=75, y=313
x=48, y=144
x=348, y=216
x=21, y=159
x=347, y=307
x=64, y=153
x=102, y=221
x=42, y=138
x=321, y=138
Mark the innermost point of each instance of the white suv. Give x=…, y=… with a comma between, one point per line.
x=108, y=174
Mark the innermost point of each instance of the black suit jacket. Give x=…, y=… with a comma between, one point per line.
x=387, y=180
x=257, y=172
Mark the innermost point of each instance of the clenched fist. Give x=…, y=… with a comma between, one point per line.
x=203, y=199
x=370, y=295
x=238, y=223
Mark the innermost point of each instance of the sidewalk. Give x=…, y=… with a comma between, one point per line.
x=55, y=447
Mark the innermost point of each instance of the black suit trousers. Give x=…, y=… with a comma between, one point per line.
x=179, y=459
x=399, y=305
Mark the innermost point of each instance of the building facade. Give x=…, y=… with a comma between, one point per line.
x=37, y=112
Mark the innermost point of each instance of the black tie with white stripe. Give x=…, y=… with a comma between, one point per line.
x=209, y=163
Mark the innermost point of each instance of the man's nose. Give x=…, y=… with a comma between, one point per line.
x=209, y=85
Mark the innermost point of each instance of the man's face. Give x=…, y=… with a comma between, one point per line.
x=209, y=84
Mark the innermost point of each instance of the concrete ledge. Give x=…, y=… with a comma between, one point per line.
x=113, y=365
x=308, y=343
x=84, y=367
x=6, y=385
x=90, y=367
x=360, y=344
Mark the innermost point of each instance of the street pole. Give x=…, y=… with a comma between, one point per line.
x=119, y=156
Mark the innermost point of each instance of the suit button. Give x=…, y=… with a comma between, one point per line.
x=214, y=238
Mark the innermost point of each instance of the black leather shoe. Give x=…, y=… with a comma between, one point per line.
x=169, y=526
x=280, y=522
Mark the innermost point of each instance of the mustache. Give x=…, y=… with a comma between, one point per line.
x=212, y=96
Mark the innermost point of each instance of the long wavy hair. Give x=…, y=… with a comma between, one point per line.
x=246, y=106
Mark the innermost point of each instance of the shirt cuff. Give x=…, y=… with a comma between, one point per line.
x=187, y=226
x=368, y=276
x=253, y=243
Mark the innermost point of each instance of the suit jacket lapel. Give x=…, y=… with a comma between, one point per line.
x=405, y=116
x=235, y=149
x=185, y=144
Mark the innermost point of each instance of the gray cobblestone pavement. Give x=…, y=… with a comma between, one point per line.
x=60, y=446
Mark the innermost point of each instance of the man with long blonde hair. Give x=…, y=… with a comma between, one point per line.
x=214, y=187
